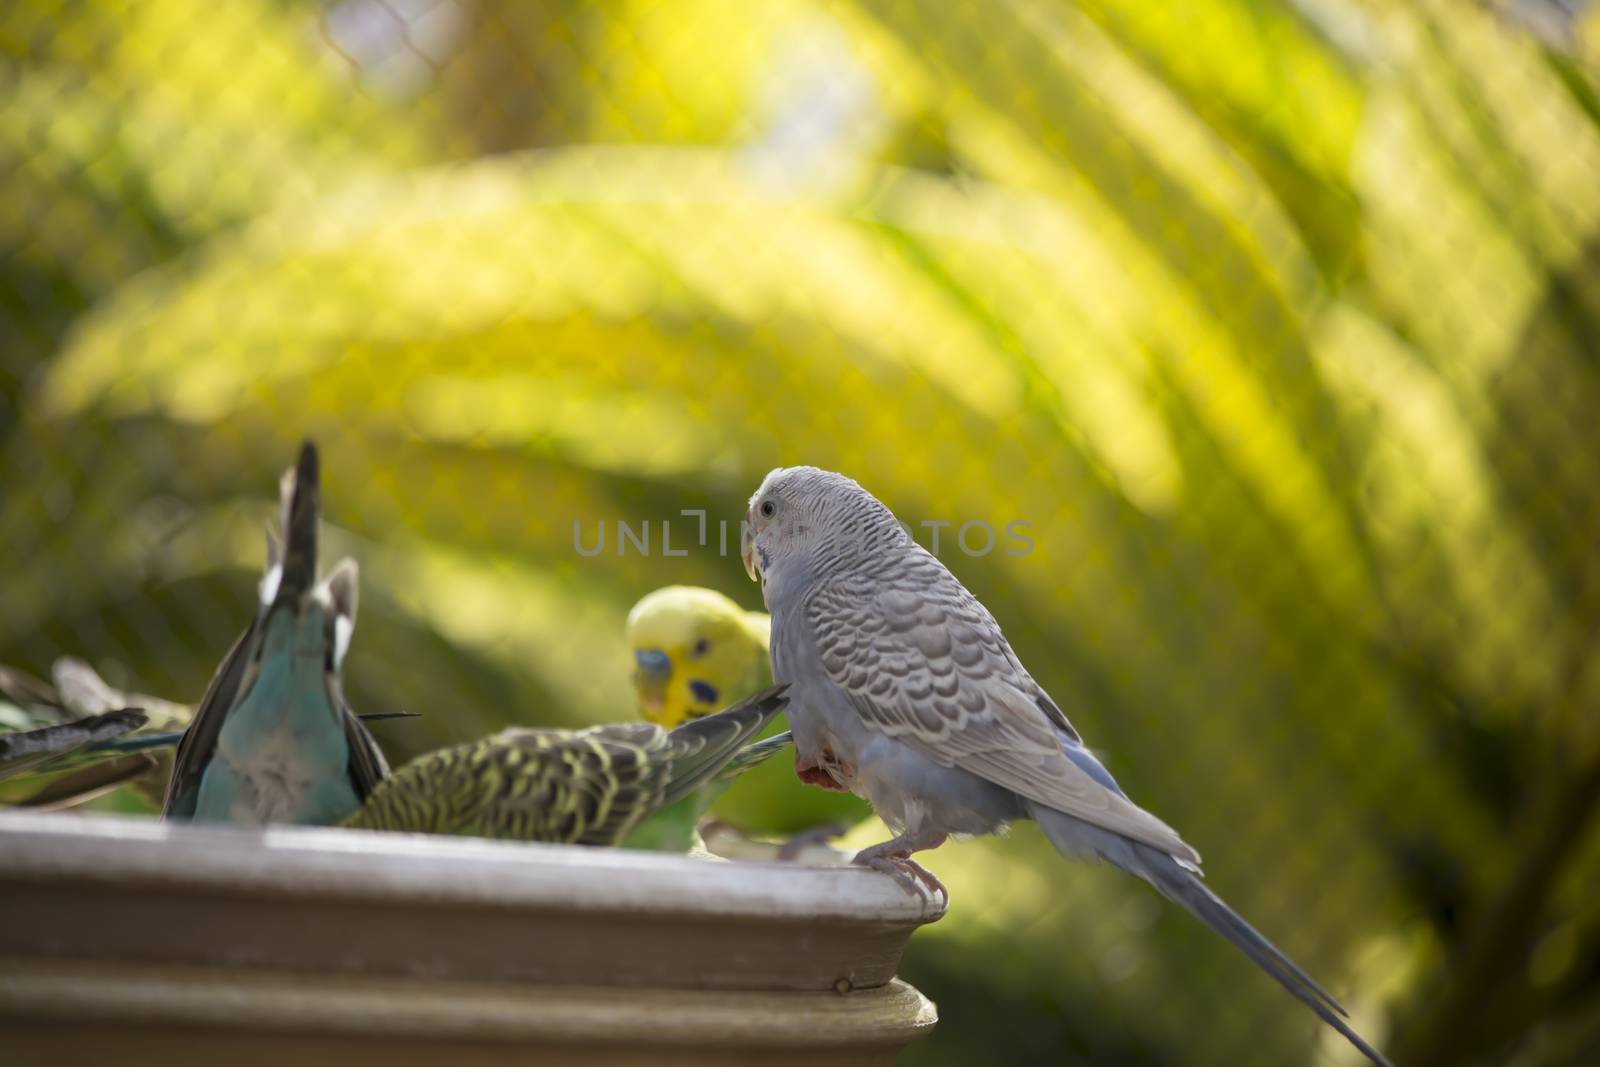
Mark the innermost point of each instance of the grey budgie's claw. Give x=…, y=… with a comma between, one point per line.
x=912, y=876
x=893, y=857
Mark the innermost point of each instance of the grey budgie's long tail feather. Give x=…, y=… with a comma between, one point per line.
x=26, y=749
x=299, y=502
x=702, y=747
x=1181, y=885
x=754, y=755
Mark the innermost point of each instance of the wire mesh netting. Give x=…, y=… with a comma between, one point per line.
x=1243, y=358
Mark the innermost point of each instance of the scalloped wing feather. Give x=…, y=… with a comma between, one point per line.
x=924, y=662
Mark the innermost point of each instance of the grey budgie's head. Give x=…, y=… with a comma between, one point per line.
x=816, y=516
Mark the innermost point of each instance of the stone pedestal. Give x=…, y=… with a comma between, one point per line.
x=128, y=941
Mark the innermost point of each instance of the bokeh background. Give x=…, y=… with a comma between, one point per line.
x=1278, y=324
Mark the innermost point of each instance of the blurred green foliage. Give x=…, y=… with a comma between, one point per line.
x=1278, y=324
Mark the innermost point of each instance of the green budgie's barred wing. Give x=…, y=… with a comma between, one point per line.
x=752, y=756
x=722, y=752
x=578, y=787
x=587, y=787
x=703, y=747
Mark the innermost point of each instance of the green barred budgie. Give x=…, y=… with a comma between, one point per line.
x=272, y=740
x=604, y=785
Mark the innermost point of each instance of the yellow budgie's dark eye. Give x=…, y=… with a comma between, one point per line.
x=701, y=647
x=768, y=509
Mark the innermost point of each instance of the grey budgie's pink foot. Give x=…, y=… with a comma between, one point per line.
x=912, y=876
x=813, y=773
x=893, y=858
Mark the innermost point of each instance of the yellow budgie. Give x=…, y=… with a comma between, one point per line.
x=696, y=651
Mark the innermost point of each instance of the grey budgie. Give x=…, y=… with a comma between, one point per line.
x=904, y=691
x=272, y=739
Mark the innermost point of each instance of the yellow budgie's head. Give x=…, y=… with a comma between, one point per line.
x=694, y=652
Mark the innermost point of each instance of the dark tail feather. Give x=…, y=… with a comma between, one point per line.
x=1182, y=886
x=299, y=503
x=702, y=747
x=26, y=749
x=170, y=738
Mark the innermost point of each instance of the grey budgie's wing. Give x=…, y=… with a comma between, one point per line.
x=924, y=662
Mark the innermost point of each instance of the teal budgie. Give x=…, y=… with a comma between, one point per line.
x=597, y=786
x=272, y=740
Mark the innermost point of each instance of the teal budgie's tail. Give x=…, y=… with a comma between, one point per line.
x=299, y=503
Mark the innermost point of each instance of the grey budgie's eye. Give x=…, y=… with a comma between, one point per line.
x=768, y=509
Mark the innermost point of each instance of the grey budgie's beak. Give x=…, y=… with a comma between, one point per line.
x=748, y=547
